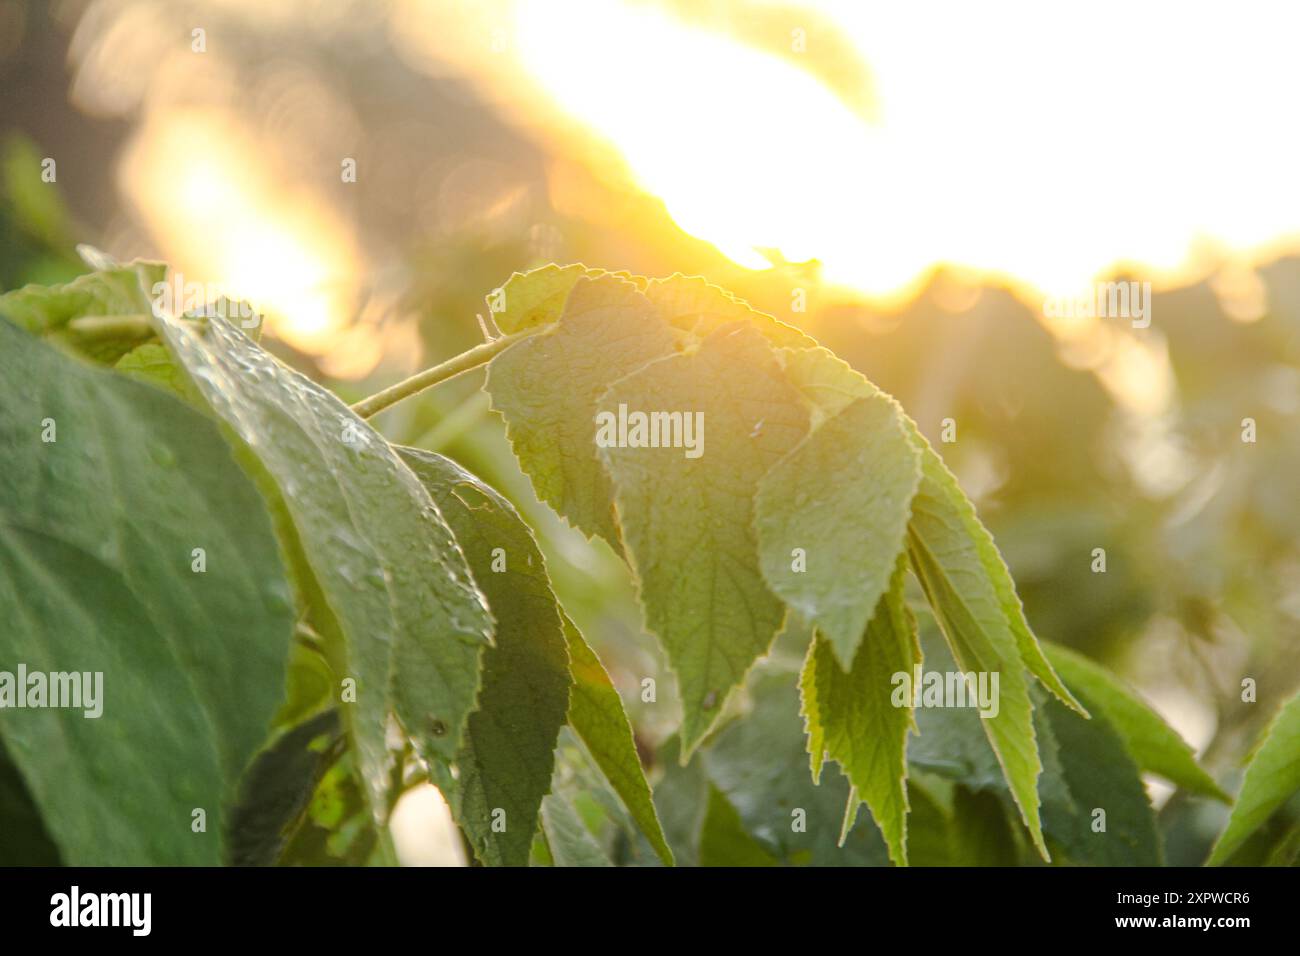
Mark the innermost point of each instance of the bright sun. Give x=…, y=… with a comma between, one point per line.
x=1046, y=144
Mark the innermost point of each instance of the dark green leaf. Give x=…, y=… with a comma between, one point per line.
x=98, y=531
x=505, y=764
x=724, y=840
x=278, y=788
x=760, y=764
x=1087, y=770
x=1153, y=744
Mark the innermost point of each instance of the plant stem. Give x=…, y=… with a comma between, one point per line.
x=464, y=362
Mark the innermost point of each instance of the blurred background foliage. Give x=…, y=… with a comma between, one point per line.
x=226, y=163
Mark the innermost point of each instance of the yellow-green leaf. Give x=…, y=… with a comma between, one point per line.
x=688, y=521
x=855, y=718
x=536, y=297
x=548, y=389
x=1272, y=778
x=832, y=518
x=694, y=305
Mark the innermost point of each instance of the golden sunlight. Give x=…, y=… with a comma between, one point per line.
x=1043, y=145
x=226, y=225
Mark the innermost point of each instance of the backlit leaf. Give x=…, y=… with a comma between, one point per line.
x=688, y=521
x=695, y=305
x=854, y=714
x=549, y=389
x=832, y=517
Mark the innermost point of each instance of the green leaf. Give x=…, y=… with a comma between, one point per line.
x=596, y=714
x=311, y=683
x=840, y=501
x=1087, y=769
x=549, y=387
x=98, y=531
x=151, y=362
x=508, y=756
x=980, y=832
x=1155, y=745
x=688, y=521
x=981, y=644
x=580, y=780
x=929, y=828
x=853, y=717
x=965, y=581
x=811, y=697
x=387, y=568
x=121, y=291
x=831, y=385
x=970, y=590
x=951, y=741
x=338, y=828
x=1272, y=777
x=724, y=841
x=537, y=297
x=826, y=381
x=681, y=800
x=567, y=837
x=758, y=762
x=952, y=532
x=692, y=304
x=1287, y=850
x=26, y=842
x=278, y=787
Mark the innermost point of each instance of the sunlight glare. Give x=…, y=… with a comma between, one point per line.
x=226, y=225
x=1046, y=145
